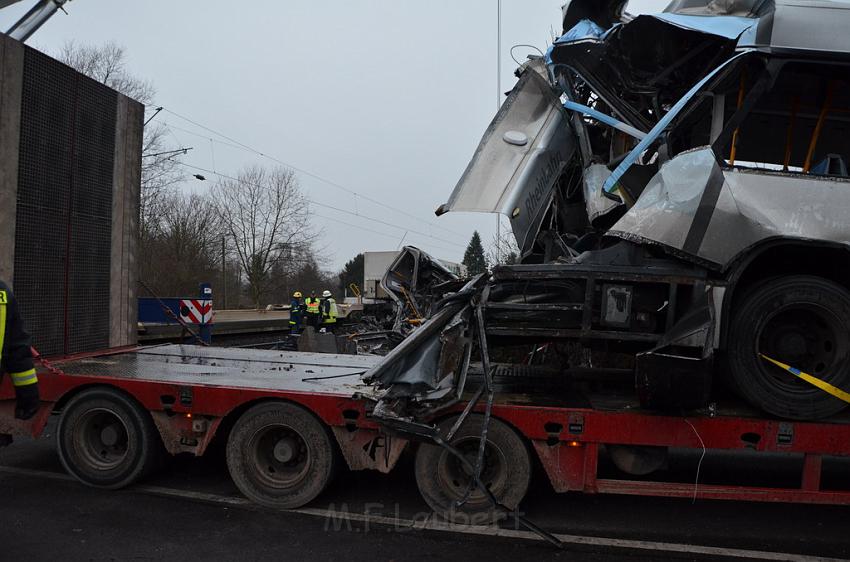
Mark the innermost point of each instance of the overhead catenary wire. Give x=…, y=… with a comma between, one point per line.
x=373, y=231
x=326, y=206
x=243, y=146
x=171, y=125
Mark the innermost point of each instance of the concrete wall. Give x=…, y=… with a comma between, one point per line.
x=11, y=80
x=125, y=223
x=55, y=164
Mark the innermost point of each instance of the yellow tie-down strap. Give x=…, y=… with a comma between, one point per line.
x=823, y=385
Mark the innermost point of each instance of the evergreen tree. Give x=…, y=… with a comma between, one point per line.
x=473, y=258
x=352, y=272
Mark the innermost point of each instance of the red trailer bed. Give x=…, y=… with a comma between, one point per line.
x=287, y=417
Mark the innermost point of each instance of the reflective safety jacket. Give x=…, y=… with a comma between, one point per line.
x=15, y=352
x=329, y=311
x=295, y=311
x=312, y=304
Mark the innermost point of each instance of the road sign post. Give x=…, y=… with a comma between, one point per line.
x=205, y=325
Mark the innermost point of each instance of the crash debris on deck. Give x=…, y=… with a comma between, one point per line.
x=677, y=184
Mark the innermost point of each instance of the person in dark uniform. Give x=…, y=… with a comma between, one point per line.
x=16, y=356
x=295, y=313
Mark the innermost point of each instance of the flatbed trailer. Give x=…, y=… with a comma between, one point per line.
x=289, y=418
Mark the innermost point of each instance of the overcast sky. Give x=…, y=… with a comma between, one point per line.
x=385, y=98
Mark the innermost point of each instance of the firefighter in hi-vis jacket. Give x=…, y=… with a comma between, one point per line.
x=16, y=356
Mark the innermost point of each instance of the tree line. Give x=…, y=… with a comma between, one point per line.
x=249, y=235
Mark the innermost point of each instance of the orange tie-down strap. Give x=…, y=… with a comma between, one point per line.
x=814, y=381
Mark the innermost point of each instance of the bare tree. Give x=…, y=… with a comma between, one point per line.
x=503, y=249
x=267, y=221
x=186, y=247
x=160, y=169
x=107, y=64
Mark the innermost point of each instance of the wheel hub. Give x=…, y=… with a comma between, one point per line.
x=457, y=475
x=285, y=450
x=109, y=435
x=793, y=344
x=281, y=454
x=804, y=337
x=101, y=438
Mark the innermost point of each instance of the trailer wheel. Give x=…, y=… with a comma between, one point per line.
x=803, y=321
x=280, y=456
x=106, y=440
x=443, y=479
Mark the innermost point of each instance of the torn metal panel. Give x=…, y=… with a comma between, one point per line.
x=415, y=362
x=700, y=209
x=742, y=8
x=415, y=281
x=667, y=208
x=611, y=183
x=596, y=203
x=816, y=26
x=429, y=365
x=729, y=27
x=520, y=158
x=637, y=77
x=782, y=25
x=600, y=14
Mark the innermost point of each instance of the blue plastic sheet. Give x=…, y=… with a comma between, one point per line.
x=585, y=29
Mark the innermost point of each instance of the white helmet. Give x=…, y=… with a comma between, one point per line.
x=326, y=294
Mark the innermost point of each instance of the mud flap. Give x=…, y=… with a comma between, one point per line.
x=677, y=375
x=667, y=382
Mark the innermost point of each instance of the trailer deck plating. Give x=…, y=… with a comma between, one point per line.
x=231, y=368
x=192, y=394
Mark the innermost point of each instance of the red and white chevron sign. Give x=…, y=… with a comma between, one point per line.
x=196, y=311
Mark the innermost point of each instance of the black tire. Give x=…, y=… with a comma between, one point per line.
x=280, y=456
x=803, y=321
x=107, y=440
x=442, y=478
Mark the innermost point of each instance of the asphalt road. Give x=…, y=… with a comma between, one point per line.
x=190, y=510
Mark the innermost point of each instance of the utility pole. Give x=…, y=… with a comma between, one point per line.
x=498, y=107
x=223, y=274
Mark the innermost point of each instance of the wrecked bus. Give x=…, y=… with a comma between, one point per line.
x=677, y=184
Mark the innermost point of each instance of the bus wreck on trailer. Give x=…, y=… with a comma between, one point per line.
x=678, y=187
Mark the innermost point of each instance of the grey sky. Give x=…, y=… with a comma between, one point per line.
x=387, y=98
